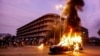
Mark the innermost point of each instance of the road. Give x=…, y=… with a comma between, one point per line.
x=34, y=51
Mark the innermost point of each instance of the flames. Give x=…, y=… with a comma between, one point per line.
x=72, y=32
x=41, y=46
x=72, y=39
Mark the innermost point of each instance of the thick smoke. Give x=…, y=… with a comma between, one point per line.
x=71, y=11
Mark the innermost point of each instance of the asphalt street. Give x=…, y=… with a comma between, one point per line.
x=35, y=51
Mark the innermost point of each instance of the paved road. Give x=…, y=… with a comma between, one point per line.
x=34, y=51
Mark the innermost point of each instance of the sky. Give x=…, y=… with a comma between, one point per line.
x=16, y=13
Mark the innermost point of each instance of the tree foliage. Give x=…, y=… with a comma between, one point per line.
x=99, y=32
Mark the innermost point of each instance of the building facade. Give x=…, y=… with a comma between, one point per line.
x=38, y=29
x=46, y=29
x=85, y=35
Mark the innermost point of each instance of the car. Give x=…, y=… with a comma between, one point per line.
x=61, y=49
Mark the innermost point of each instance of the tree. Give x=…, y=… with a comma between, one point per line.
x=99, y=32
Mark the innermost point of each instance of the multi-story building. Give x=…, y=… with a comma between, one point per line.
x=44, y=29
x=85, y=35
x=38, y=29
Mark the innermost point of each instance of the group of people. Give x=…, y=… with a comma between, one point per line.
x=16, y=42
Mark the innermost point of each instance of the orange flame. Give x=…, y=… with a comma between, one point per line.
x=71, y=40
x=41, y=46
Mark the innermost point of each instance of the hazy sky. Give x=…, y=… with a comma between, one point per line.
x=16, y=13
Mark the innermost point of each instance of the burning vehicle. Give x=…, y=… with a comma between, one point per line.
x=61, y=49
x=67, y=44
x=71, y=39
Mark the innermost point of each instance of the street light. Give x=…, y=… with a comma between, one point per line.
x=61, y=8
